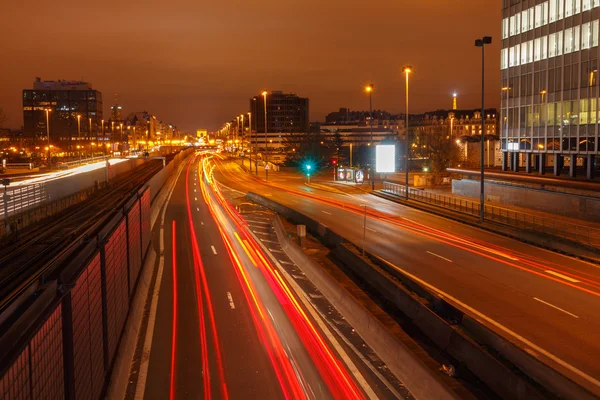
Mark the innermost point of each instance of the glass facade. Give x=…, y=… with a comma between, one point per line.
x=64, y=107
x=549, y=73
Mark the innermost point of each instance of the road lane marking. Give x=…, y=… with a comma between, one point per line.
x=201, y=223
x=198, y=208
x=194, y=190
x=553, y=306
x=262, y=233
x=195, y=198
x=268, y=241
x=294, y=201
x=437, y=255
x=325, y=212
x=231, y=303
x=275, y=251
x=566, y=278
x=370, y=229
x=498, y=325
x=213, y=249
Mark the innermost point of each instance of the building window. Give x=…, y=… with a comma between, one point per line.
x=587, y=5
x=524, y=53
x=586, y=36
x=512, y=25
x=553, y=10
x=524, y=21
x=537, y=52
x=544, y=47
x=504, y=59
x=576, y=37
x=505, y=28
x=568, y=40
x=595, y=33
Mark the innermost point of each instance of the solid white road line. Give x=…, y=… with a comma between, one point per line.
x=438, y=256
x=325, y=212
x=499, y=326
x=370, y=229
x=566, y=278
x=231, y=303
x=553, y=306
x=213, y=249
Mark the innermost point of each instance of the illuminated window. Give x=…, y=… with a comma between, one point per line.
x=568, y=40
x=586, y=5
x=505, y=28
x=595, y=33
x=586, y=36
x=544, y=47
x=537, y=52
x=576, y=37
x=504, y=59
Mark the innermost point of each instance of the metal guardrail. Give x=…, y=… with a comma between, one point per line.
x=84, y=161
x=574, y=232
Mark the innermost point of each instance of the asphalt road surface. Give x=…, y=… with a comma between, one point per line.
x=226, y=324
x=546, y=303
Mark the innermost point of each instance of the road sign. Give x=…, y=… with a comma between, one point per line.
x=267, y=167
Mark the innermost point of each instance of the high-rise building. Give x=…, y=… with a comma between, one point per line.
x=286, y=114
x=549, y=69
x=65, y=100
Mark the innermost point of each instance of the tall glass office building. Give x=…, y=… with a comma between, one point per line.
x=549, y=63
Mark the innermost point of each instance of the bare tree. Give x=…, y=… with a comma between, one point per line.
x=437, y=144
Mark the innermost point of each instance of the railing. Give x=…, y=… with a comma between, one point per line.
x=84, y=161
x=579, y=233
x=17, y=165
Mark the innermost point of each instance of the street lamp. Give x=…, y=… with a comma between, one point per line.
x=264, y=93
x=48, y=133
x=407, y=70
x=250, y=133
x=79, y=134
x=481, y=43
x=122, y=150
x=103, y=147
x=90, y=133
x=369, y=89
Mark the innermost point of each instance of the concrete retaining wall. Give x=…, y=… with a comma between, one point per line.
x=568, y=205
x=501, y=378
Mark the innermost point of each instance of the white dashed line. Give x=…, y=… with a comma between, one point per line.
x=371, y=229
x=325, y=212
x=198, y=208
x=438, y=256
x=231, y=303
x=555, y=307
x=195, y=198
x=213, y=249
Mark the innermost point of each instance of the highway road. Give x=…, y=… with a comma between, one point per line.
x=546, y=303
x=225, y=323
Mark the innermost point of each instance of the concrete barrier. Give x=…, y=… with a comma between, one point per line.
x=518, y=375
x=413, y=373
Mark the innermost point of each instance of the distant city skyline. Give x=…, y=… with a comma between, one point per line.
x=200, y=70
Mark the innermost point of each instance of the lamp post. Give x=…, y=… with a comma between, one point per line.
x=407, y=70
x=90, y=135
x=48, y=134
x=250, y=133
x=79, y=135
x=242, y=141
x=481, y=43
x=121, y=139
x=264, y=93
x=369, y=89
x=103, y=147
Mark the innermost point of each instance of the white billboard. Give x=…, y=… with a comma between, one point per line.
x=385, y=158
